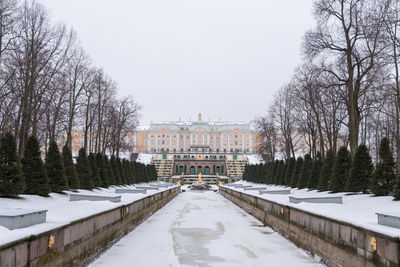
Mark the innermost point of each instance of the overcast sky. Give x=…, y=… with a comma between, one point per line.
x=223, y=58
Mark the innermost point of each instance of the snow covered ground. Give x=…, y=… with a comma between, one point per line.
x=61, y=211
x=357, y=210
x=203, y=229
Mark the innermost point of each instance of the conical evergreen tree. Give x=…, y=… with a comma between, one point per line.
x=34, y=170
x=277, y=169
x=121, y=171
x=384, y=177
x=263, y=177
x=113, y=163
x=397, y=188
x=94, y=170
x=137, y=174
x=270, y=172
x=326, y=171
x=84, y=171
x=340, y=171
x=296, y=172
x=125, y=169
x=69, y=168
x=289, y=170
x=361, y=171
x=12, y=181
x=245, y=172
x=55, y=169
x=283, y=173
x=102, y=172
x=153, y=172
x=108, y=171
x=132, y=172
x=316, y=171
x=305, y=172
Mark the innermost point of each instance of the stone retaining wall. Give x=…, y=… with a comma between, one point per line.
x=338, y=243
x=80, y=241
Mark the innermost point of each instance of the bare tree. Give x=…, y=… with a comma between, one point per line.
x=349, y=34
x=267, y=132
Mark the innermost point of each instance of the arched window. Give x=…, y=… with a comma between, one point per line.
x=199, y=169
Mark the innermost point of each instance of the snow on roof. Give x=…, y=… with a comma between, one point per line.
x=144, y=158
x=255, y=159
x=214, y=126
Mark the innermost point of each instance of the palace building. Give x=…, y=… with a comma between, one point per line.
x=194, y=147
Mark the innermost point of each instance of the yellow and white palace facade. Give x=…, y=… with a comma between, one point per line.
x=194, y=147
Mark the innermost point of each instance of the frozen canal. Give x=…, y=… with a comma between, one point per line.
x=203, y=229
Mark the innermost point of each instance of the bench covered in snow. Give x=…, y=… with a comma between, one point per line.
x=277, y=192
x=241, y=186
x=389, y=219
x=321, y=199
x=159, y=185
x=148, y=187
x=20, y=218
x=78, y=197
x=130, y=190
x=254, y=188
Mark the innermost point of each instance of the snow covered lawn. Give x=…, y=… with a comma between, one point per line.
x=203, y=229
x=61, y=211
x=359, y=210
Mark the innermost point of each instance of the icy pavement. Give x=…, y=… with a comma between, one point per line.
x=203, y=229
